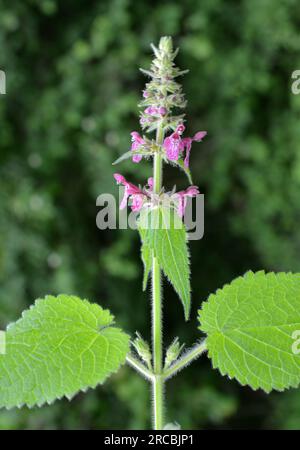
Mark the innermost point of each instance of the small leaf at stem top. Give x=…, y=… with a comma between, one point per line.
x=164, y=233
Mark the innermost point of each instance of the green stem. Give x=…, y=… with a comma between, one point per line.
x=185, y=360
x=139, y=367
x=158, y=381
x=158, y=402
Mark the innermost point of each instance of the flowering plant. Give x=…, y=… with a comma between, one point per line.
x=249, y=328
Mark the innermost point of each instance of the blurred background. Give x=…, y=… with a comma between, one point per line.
x=73, y=86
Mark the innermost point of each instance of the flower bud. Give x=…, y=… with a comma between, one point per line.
x=165, y=44
x=143, y=349
x=162, y=111
x=162, y=94
x=173, y=352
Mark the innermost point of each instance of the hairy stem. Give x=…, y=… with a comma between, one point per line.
x=139, y=367
x=185, y=360
x=158, y=381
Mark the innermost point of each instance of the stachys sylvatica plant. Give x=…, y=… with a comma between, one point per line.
x=249, y=328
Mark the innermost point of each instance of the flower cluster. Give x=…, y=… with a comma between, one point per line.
x=145, y=197
x=162, y=95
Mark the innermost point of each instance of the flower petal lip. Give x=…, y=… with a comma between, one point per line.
x=150, y=182
x=180, y=128
x=137, y=202
x=137, y=158
x=191, y=191
x=187, y=144
x=199, y=136
x=119, y=178
x=137, y=141
x=173, y=146
x=136, y=137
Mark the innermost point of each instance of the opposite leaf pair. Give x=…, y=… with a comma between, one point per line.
x=62, y=345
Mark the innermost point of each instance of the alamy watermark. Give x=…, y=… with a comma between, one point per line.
x=2, y=82
x=295, y=88
x=111, y=217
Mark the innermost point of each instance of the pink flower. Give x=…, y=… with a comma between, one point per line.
x=162, y=111
x=145, y=197
x=119, y=178
x=132, y=192
x=137, y=202
x=173, y=143
x=146, y=94
x=180, y=128
x=152, y=110
x=181, y=197
x=187, y=143
x=150, y=183
x=137, y=141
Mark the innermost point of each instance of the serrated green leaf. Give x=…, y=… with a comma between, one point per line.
x=250, y=325
x=61, y=345
x=146, y=255
x=164, y=233
x=147, y=261
x=130, y=154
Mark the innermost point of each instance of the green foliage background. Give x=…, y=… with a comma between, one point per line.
x=72, y=90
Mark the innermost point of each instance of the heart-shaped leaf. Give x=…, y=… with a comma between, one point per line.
x=251, y=326
x=60, y=346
